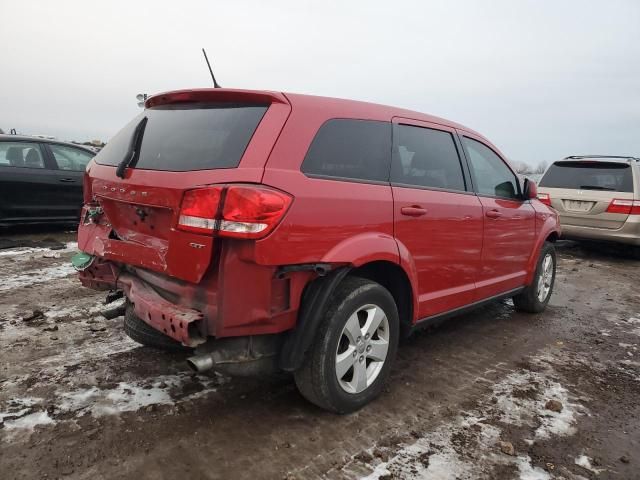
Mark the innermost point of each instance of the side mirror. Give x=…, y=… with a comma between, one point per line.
x=530, y=189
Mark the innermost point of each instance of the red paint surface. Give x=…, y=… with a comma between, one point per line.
x=457, y=251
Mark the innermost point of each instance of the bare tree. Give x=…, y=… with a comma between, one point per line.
x=542, y=166
x=522, y=168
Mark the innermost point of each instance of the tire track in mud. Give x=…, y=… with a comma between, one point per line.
x=60, y=365
x=286, y=423
x=466, y=448
x=441, y=378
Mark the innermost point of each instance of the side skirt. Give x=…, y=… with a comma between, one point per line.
x=439, y=318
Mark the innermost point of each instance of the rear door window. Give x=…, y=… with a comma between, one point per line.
x=21, y=154
x=188, y=137
x=69, y=158
x=350, y=149
x=427, y=158
x=491, y=175
x=589, y=175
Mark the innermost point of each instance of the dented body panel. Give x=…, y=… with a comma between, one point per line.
x=193, y=286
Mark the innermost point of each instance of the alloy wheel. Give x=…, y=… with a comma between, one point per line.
x=545, y=280
x=362, y=348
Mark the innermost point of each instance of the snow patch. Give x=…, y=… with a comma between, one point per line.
x=129, y=396
x=36, y=276
x=19, y=407
x=528, y=471
x=518, y=410
x=557, y=423
x=13, y=252
x=28, y=422
x=585, y=462
x=518, y=399
x=124, y=397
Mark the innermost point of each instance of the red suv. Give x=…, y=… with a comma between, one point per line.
x=274, y=231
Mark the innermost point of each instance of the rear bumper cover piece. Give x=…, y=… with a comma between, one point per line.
x=629, y=233
x=175, y=321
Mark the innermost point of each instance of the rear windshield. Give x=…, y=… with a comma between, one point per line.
x=590, y=175
x=188, y=137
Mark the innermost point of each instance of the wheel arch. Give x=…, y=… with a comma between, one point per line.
x=392, y=277
x=386, y=272
x=549, y=235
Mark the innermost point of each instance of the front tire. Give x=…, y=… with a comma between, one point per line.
x=356, y=343
x=534, y=298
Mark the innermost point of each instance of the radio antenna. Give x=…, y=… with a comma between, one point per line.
x=215, y=84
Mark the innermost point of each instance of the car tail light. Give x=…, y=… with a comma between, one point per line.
x=239, y=211
x=626, y=207
x=544, y=198
x=251, y=212
x=199, y=210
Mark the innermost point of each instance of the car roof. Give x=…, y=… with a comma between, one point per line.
x=360, y=107
x=339, y=105
x=333, y=107
x=27, y=138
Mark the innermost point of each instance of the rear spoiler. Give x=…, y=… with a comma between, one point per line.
x=598, y=157
x=224, y=95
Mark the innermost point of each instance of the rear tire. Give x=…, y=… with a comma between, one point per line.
x=148, y=336
x=354, y=348
x=534, y=298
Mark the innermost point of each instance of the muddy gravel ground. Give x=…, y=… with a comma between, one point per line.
x=492, y=394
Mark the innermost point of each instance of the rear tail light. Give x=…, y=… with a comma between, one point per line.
x=199, y=210
x=239, y=211
x=252, y=211
x=544, y=198
x=626, y=207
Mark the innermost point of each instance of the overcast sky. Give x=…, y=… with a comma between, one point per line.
x=541, y=79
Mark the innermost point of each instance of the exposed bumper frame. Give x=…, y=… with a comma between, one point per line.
x=175, y=321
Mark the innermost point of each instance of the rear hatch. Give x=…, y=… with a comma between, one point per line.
x=589, y=192
x=188, y=139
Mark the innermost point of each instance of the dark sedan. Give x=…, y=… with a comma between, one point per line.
x=40, y=180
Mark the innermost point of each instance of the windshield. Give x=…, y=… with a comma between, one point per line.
x=188, y=137
x=589, y=175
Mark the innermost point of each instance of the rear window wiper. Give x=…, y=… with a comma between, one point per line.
x=133, y=152
x=596, y=187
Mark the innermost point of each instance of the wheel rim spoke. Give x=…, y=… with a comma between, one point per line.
x=345, y=361
x=374, y=319
x=359, y=380
x=378, y=352
x=352, y=329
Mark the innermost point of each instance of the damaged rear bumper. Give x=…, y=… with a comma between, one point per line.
x=176, y=321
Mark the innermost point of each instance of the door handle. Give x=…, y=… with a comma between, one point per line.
x=414, y=211
x=493, y=214
x=67, y=180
